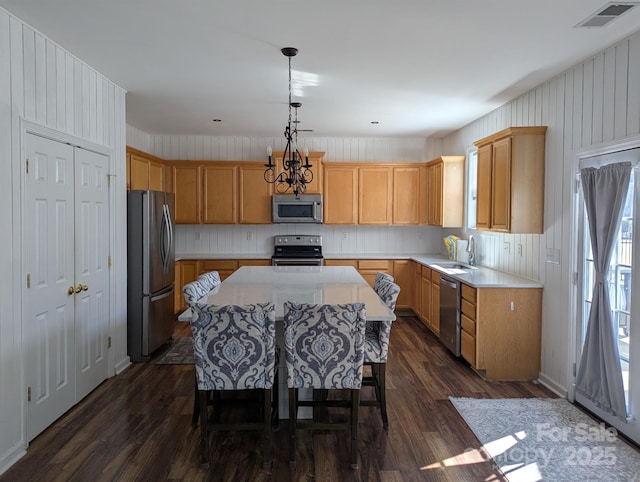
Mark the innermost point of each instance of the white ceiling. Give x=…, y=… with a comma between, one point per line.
x=418, y=67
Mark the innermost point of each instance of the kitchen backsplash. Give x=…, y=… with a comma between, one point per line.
x=337, y=239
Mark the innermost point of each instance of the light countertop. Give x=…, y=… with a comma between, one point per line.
x=478, y=278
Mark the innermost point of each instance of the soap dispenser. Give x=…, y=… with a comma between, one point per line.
x=471, y=250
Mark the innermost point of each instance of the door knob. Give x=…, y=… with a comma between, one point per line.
x=85, y=287
x=71, y=290
x=78, y=288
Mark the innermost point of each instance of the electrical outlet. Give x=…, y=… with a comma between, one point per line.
x=196, y=235
x=249, y=235
x=553, y=256
x=520, y=250
x=345, y=235
x=507, y=247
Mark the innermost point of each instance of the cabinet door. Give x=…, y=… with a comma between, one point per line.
x=139, y=173
x=426, y=296
x=435, y=303
x=375, y=195
x=403, y=274
x=156, y=176
x=501, y=185
x=340, y=195
x=423, y=201
x=483, y=200
x=219, y=197
x=186, y=271
x=188, y=188
x=255, y=195
x=417, y=289
x=406, y=195
x=435, y=194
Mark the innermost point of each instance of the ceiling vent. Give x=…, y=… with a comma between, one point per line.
x=606, y=14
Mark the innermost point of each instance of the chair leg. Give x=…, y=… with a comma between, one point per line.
x=355, y=406
x=275, y=409
x=204, y=430
x=382, y=393
x=266, y=447
x=293, y=398
x=196, y=404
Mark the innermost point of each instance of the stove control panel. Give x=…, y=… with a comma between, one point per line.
x=297, y=240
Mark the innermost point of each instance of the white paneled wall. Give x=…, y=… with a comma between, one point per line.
x=42, y=83
x=337, y=239
x=255, y=148
x=595, y=103
x=138, y=139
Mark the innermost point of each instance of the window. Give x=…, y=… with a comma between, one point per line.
x=472, y=190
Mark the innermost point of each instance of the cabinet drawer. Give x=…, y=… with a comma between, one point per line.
x=341, y=262
x=379, y=264
x=468, y=325
x=469, y=293
x=468, y=309
x=468, y=347
x=254, y=262
x=426, y=272
x=435, y=276
x=218, y=264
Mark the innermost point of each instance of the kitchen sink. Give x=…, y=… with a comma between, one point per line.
x=454, y=268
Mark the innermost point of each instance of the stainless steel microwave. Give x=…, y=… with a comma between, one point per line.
x=306, y=208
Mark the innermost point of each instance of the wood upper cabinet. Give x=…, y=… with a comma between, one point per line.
x=144, y=171
x=511, y=180
x=254, y=194
x=407, y=193
x=340, y=199
x=219, y=194
x=445, y=199
x=188, y=192
x=315, y=159
x=375, y=187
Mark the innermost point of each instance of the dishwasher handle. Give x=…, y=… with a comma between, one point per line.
x=448, y=282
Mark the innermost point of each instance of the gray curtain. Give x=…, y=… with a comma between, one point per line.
x=600, y=374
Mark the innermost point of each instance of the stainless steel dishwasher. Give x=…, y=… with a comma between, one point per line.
x=450, y=313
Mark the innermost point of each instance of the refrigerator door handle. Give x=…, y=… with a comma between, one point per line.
x=165, y=242
x=162, y=295
x=170, y=236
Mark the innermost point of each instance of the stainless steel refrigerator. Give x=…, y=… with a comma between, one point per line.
x=150, y=274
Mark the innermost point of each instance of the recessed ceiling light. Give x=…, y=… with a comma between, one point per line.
x=217, y=120
x=375, y=122
x=606, y=14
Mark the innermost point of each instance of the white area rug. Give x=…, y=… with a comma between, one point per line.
x=534, y=439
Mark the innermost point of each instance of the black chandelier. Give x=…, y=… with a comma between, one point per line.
x=294, y=174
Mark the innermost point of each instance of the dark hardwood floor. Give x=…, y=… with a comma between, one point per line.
x=137, y=426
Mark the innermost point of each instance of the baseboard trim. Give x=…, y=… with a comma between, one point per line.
x=552, y=385
x=123, y=365
x=11, y=458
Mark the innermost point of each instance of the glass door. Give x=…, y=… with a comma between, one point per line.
x=621, y=289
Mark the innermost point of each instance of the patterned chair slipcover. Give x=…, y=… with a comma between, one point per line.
x=193, y=292
x=377, y=347
x=324, y=347
x=210, y=280
x=379, y=277
x=234, y=349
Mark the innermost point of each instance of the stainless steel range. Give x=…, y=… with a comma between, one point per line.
x=297, y=250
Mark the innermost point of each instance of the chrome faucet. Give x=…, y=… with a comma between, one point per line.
x=471, y=250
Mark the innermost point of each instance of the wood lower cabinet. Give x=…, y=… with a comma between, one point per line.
x=186, y=271
x=253, y=262
x=403, y=274
x=510, y=188
x=224, y=267
x=435, y=302
x=425, y=296
x=501, y=331
x=369, y=268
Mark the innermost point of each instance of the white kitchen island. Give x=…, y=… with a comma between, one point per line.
x=301, y=284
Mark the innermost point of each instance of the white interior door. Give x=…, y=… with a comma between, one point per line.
x=67, y=303
x=49, y=219
x=91, y=270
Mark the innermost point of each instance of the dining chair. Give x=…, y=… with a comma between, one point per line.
x=376, y=350
x=379, y=277
x=324, y=347
x=234, y=349
x=210, y=280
